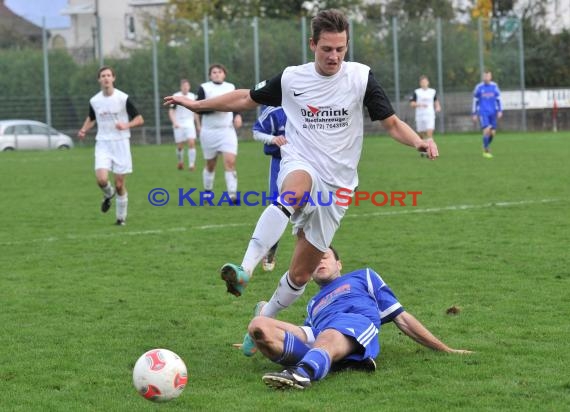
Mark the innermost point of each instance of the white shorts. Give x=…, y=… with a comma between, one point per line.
x=219, y=140
x=423, y=124
x=114, y=155
x=320, y=220
x=182, y=134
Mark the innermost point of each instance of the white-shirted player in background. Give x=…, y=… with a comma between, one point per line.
x=186, y=125
x=424, y=100
x=115, y=114
x=324, y=102
x=218, y=133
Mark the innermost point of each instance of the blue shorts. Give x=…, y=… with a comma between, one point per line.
x=358, y=327
x=274, y=167
x=488, y=119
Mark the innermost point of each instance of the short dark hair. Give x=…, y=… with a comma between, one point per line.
x=332, y=21
x=423, y=76
x=103, y=68
x=335, y=253
x=184, y=81
x=217, y=66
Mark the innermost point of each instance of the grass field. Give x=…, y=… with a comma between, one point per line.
x=82, y=299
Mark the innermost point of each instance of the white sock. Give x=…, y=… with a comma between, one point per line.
x=121, y=206
x=285, y=294
x=191, y=157
x=108, y=190
x=208, y=179
x=269, y=229
x=231, y=182
x=180, y=155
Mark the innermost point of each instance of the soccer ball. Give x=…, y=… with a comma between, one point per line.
x=160, y=375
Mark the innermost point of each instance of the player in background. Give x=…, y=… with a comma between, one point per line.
x=115, y=114
x=324, y=102
x=488, y=108
x=186, y=127
x=425, y=102
x=341, y=329
x=218, y=133
x=270, y=129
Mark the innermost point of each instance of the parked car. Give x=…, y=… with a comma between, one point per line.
x=31, y=135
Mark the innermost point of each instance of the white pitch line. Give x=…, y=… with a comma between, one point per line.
x=406, y=211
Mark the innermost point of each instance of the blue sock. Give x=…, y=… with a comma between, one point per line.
x=486, y=141
x=315, y=364
x=293, y=350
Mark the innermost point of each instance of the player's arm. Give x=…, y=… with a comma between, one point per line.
x=414, y=100
x=414, y=329
x=234, y=101
x=475, y=105
x=499, y=103
x=379, y=108
x=172, y=115
x=135, y=118
x=87, y=124
x=197, y=123
x=436, y=104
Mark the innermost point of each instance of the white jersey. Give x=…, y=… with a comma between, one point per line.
x=215, y=120
x=110, y=110
x=184, y=117
x=425, y=98
x=325, y=120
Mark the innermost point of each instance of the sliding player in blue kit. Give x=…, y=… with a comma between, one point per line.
x=341, y=330
x=488, y=108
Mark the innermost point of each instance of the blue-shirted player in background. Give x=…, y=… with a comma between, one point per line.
x=488, y=108
x=341, y=329
x=270, y=129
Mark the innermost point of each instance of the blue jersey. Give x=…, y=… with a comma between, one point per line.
x=360, y=292
x=486, y=99
x=272, y=122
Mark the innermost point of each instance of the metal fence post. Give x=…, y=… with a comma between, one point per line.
x=304, y=39
x=351, y=40
x=206, y=48
x=481, y=47
x=522, y=74
x=396, y=63
x=46, y=79
x=440, y=77
x=155, y=81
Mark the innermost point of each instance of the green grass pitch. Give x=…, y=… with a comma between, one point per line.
x=82, y=299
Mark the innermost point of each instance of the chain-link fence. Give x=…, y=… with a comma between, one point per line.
x=55, y=88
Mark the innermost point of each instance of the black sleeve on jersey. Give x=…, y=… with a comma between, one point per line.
x=91, y=113
x=131, y=109
x=379, y=107
x=201, y=95
x=270, y=93
x=414, y=97
x=435, y=96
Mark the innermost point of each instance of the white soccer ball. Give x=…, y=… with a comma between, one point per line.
x=160, y=375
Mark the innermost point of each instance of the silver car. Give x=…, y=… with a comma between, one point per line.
x=31, y=135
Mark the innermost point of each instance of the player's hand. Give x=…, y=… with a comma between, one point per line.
x=430, y=148
x=121, y=126
x=279, y=140
x=474, y=118
x=499, y=115
x=81, y=134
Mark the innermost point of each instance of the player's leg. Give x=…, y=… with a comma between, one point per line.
x=486, y=128
x=306, y=258
x=179, y=140
x=281, y=342
x=103, y=163
x=330, y=346
x=230, y=175
x=122, y=166
x=192, y=154
x=269, y=229
x=274, y=166
x=210, y=154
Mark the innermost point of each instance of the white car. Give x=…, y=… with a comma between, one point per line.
x=31, y=135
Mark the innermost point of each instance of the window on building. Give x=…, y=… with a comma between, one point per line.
x=130, y=31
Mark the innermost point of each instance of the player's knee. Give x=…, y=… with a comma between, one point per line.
x=258, y=328
x=300, y=277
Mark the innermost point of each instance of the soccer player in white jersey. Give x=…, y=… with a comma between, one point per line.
x=218, y=133
x=186, y=125
x=115, y=115
x=323, y=102
x=424, y=100
x=341, y=329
